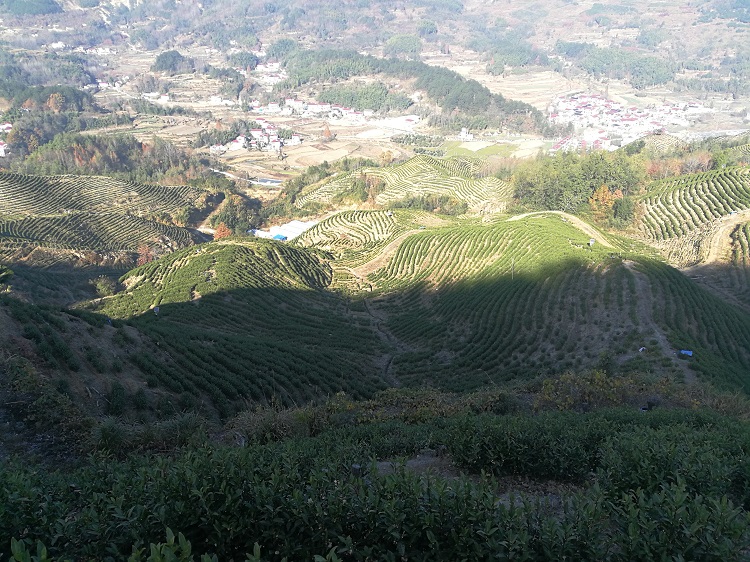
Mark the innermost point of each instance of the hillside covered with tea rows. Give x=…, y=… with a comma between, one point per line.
x=44, y=195
x=680, y=213
x=460, y=179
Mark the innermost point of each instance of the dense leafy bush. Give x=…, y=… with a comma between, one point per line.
x=304, y=497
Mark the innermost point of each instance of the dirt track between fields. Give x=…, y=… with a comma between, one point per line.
x=721, y=240
x=383, y=257
x=575, y=221
x=646, y=317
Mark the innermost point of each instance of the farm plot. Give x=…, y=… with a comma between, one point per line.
x=23, y=195
x=248, y=321
x=490, y=303
x=662, y=144
x=420, y=176
x=696, y=319
x=741, y=153
x=737, y=276
x=100, y=232
x=685, y=207
x=356, y=237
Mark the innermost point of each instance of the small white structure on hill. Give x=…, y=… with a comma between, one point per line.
x=287, y=231
x=466, y=135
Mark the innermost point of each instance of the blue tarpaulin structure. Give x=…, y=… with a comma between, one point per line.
x=687, y=352
x=280, y=237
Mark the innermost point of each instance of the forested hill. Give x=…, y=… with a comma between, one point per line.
x=475, y=105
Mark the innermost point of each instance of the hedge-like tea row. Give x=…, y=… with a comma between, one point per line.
x=302, y=498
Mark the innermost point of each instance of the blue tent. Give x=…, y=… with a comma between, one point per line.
x=687, y=352
x=280, y=237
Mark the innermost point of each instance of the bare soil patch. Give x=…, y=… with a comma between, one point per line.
x=385, y=255
x=646, y=316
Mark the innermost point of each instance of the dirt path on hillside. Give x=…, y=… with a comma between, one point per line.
x=572, y=219
x=650, y=327
x=382, y=258
x=395, y=345
x=721, y=239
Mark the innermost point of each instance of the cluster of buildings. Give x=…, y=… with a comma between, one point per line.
x=155, y=97
x=4, y=129
x=268, y=74
x=601, y=123
x=265, y=138
x=292, y=106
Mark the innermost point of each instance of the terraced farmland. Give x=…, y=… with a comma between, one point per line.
x=736, y=275
x=420, y=176
x=22, y=195
x=741, y=152
x=684, y=209
x=85, y=230
x=248, y=321
x=661, y=144
x=492, y=303
x=65, y=227
x=352, y=230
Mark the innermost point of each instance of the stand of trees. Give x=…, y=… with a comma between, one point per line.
x=372, y=96
x=29, y=7
x=173, y=62
x=567, y=181
x=222, y=135
x=453, y=93
x=124, y=157
x=641, y=70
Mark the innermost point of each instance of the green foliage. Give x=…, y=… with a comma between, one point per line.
x=651, y=37
x=441, y=204
x=244, y=60
x=414, y=139
x=566, y=181
x=505, y=48
x=361, y=513
x=121, y=156
x=372, y=96
x=39, y=405
x=642, y=71
x=408, y=46
x=443, y=86
x=173, y=62
x=624, y=210
x=105, y=286
x=281, y=49
x=239, y=213
x=5, y=274
x=427, y=28
x=30, y=7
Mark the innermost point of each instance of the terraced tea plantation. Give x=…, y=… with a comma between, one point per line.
x=684, y=210
x=458, y=178
x=354, y=232
x=664, y=143
x=86, y=230
x=247, y=320
x=736, y=275
x=475, y=305
x=93, y=213
x=65, y=227
x=23, y=195
x=373, y=298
